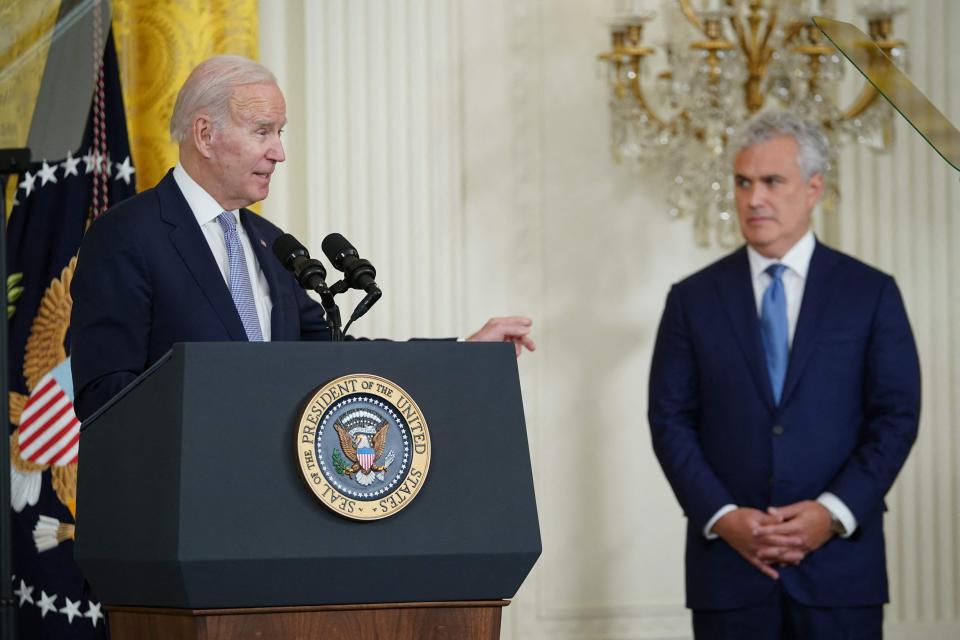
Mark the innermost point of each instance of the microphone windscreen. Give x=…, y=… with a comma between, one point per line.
x=286, y=248
x=335, y=246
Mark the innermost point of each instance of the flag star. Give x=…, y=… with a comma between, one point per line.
x=70, y=165
x=28, y=182
x=47, y=174
x=93, y=612
x=72, y=610
x=91, y=161
x=47, y=604
x=124, y=170
x=25, y=593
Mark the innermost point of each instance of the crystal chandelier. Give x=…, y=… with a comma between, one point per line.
x=726, y=60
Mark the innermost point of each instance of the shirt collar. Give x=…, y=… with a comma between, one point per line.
x=203, y=205
x=797, y=259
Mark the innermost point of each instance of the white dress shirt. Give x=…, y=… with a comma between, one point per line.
x=206, y=210
x=794, y=277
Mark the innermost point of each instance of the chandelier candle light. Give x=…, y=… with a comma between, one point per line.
x=726, y=60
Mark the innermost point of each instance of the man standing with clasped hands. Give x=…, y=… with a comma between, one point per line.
x=784, y=399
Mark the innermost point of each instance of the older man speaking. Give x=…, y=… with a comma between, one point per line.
x=185, y=261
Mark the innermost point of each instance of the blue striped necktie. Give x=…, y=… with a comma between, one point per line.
x=239, y=278
x=773, y=329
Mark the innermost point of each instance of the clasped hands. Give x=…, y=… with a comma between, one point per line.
x=777, y=537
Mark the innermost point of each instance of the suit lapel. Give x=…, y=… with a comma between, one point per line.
x=190, y=243
x=736, y=296
x=817, y=294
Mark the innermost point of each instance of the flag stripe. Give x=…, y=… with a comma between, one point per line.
x=38, y=427
x=56, y=444
x=46, y=383
x=54, y=428
x=38, y=402
x=69, y=453
x=38, y=407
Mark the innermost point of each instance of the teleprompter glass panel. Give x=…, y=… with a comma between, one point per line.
x=895, y=86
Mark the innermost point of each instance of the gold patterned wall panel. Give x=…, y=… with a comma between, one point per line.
x=24, y=41
x=158, y=43
x=25, y=29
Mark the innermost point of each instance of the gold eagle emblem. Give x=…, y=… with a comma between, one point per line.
x=45, y=349
x=349, y=445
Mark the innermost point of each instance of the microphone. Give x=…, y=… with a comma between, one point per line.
x=311, y=275
x=358, y=273
x=295, y=257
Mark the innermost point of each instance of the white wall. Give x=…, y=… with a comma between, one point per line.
x=463, y=146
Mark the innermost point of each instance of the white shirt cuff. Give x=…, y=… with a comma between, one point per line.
x=724, y=510
x=839, y=511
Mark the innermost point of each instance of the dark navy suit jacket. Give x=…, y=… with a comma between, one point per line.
x=845, y=424
x=146, y=278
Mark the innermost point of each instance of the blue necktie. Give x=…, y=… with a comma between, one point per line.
x=239, y=278
x=773, y=329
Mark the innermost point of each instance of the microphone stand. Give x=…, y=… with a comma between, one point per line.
x=12, y=162
x=362, y=307
x=331, y=310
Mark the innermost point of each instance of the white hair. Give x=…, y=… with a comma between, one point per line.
x=208, y=90
x=813, y=148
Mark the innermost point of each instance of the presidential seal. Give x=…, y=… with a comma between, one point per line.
x=363, y=446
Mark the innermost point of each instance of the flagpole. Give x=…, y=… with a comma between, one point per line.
x=12, y=162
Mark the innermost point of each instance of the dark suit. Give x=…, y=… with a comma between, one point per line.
x=845, y=424
x=146, y=278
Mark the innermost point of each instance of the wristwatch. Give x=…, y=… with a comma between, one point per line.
x=836, y=526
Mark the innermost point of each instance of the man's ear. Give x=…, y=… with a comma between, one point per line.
x=814, y=189
x=203, y=131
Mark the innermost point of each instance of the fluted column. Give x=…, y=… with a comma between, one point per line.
x=374, y=150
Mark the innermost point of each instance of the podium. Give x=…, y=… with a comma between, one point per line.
x=195, y=521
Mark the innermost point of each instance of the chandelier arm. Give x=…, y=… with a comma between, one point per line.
x=643, y=104
x=791, y=32
x=619, y=89
x=868, y=95
x=740, y=32
x=767, y=56
x=771, y=23
x=768, y=51
x=754, y=20
x=691, y=15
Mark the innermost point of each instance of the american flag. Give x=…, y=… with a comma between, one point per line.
x=52, y=206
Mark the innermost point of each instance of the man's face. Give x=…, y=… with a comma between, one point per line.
x=774, y=202
x=247, y=148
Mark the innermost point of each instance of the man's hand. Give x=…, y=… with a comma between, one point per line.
x=803, y=527
x=515, y=329
x=738, y=528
